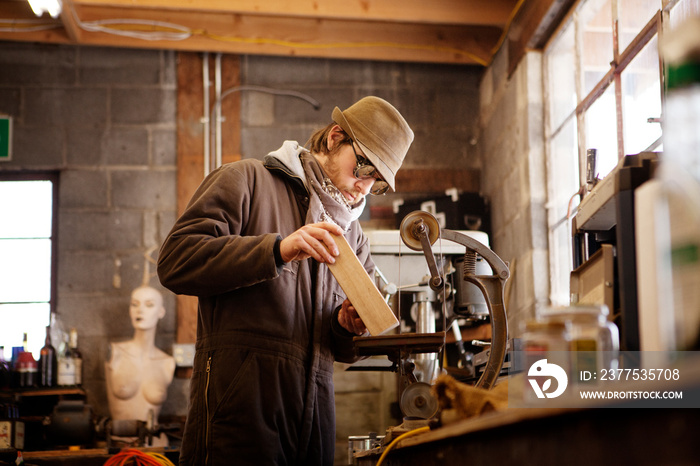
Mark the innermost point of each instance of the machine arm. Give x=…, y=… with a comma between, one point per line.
x=419, y=230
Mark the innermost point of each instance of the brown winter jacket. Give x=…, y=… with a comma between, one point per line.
x=267, y=336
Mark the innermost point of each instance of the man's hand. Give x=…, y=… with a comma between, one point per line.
x=313, y=240
x=349, y=319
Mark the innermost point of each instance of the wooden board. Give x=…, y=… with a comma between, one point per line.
x=361, y=291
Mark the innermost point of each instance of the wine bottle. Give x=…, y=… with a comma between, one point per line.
x=48, y=363
x=5, y=371
x=27, y=370
x=66, y=369
x=77, y=357
x=26, y=367
x=70, y=364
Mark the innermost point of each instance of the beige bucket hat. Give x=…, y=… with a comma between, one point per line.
x=380, y=131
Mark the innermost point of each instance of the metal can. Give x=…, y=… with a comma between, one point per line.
x=360, y=443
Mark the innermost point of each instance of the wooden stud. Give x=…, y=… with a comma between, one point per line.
x=190, y=147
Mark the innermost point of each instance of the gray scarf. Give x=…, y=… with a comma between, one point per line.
x=327, y=203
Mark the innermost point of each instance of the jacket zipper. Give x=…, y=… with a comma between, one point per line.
x=206, y=409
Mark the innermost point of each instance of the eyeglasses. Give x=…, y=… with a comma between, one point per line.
x=364, y=170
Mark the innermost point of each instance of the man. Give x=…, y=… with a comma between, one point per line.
x=252, y=245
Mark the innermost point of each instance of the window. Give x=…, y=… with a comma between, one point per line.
x=641, y=100
x=27, y=258
x=600, y=94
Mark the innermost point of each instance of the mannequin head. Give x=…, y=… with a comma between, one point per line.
x=146, y=308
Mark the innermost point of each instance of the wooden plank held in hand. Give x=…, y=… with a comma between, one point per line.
x=361, y=291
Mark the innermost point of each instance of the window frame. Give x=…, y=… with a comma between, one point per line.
x=53, y=177
x=621, y=59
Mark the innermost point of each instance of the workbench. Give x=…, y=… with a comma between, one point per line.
x=589, y=433
x=556, y=437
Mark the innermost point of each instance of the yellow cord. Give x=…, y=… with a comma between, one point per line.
x=506, y=29
x=162, y=459
x=401, y=437
x=133, y=456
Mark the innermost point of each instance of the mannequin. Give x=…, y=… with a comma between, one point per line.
x=138, y=373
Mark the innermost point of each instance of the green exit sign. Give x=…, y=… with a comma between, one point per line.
x=5, y=138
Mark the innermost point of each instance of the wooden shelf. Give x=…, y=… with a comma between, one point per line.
x=38, y=392
x=51, y=391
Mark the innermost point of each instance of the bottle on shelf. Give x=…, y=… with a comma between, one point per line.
x=13, y=366
x=24, y=368
x=27, y=370
x=5, y=375
x=70, y=364
x=11, y=429
x=65, y=376
x=77, y=356
x=48, y=362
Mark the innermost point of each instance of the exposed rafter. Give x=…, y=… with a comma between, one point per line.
x=441, y=31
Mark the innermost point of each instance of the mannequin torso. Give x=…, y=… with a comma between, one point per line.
x=138, y=373
x=137, y=383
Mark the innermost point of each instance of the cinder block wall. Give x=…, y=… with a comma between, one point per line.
x=513, y=177
x=440, y=102
x=105, y=120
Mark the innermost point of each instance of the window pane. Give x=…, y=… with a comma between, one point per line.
x=633, y=15
x=562, y=171
x=560, y=264
x=26, y=219
x=563, y=185
x=18, y=319
x=561, y=93
x=683, y=10
x=25, y=270
x=26, y=209
x=595, y=20
x=601, y=131
x=641, y=99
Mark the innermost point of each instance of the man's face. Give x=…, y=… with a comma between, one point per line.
x=340, y=166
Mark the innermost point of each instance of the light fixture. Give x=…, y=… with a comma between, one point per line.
x=52, y=7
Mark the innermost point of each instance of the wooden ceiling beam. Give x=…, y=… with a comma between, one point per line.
x=444, y=31
x=455, y=12
x=267, y=35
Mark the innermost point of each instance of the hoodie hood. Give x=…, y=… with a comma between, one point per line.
x=301, y=167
